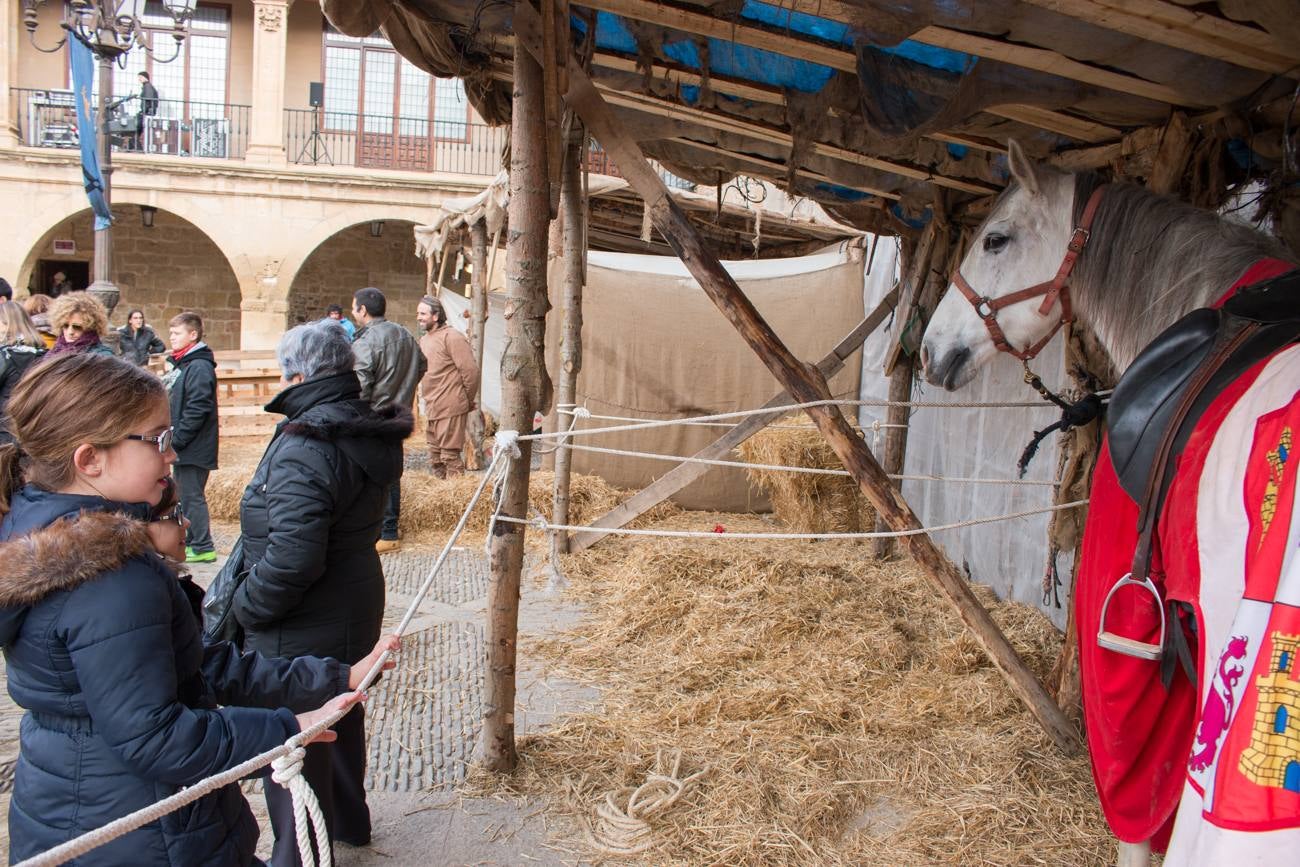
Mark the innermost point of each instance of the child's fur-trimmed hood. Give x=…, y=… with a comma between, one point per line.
x=67, y=554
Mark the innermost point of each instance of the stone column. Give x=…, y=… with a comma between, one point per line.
x=11, y=36
x=270, y=37
x=262, y=322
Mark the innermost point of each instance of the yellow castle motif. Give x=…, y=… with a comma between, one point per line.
x=1277, y=459
x=1273, y=757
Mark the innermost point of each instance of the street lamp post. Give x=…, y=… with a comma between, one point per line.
x=110, y=29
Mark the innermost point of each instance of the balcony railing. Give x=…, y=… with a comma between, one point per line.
x=48, y=119
x=319, y=137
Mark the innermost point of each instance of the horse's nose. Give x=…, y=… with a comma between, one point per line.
x=946, y=370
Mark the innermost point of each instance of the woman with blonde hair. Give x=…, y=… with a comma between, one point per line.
x=125, y=702
x=20, y=345
x=38, y=307
x=79, y=320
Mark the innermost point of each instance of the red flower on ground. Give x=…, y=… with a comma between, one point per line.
x=718, y=528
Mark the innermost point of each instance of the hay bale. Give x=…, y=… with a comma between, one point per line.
x=806, y=503
x=831, y=696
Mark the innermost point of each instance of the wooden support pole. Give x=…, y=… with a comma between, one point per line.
x=525, y=389
x=478, y=306
x=804, y=382
x=683, y=474
x=894, y=454
x=573, y=213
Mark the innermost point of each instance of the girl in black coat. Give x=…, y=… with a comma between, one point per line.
x=310, y=518
x=126, y=704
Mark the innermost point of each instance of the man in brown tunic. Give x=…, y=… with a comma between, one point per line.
x=448, y=389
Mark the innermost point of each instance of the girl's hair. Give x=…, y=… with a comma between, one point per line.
x=132, y=313
x=37, y=303
x=65, y=306
x=64, y=402
x=16, y=327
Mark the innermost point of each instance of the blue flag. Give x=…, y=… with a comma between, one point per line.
x=83, y=79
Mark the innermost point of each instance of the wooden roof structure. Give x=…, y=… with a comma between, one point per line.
x=879, y=110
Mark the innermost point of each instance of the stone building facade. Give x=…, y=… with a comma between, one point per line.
x=257, y=232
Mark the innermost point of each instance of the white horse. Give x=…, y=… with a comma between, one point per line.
x=1218, y=760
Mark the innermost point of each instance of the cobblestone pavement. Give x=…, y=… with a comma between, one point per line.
x=422, y=721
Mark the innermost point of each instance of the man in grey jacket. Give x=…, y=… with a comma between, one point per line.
x=389, y=365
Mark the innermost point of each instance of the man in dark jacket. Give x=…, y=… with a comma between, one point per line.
x=309, y=521
x=389, y=366
x=192, y=392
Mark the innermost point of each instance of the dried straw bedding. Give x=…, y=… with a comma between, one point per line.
x=841, y=710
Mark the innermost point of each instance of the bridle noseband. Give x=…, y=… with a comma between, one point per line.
x=987, y=308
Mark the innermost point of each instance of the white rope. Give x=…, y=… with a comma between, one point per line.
x=707, y=534
x=814, y=471
x=308, y=820
x=780, y=410
x=876, y=425
x=289, y=770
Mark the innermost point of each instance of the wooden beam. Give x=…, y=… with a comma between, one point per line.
x=1041, y=118
x=683, y=474
x=836, y=57
x=736, y=126
x=573, y=213
x=804, y=383
x=1179, y=27
x=478, y=292
x=776, y=169
x=1171, y=157
x=1057, y=122
x=1053, y=63
x=525, y=389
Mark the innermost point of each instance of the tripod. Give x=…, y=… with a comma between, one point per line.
x=314, y=148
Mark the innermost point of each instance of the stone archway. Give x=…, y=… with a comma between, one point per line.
x=354, y=258
x=164, y=269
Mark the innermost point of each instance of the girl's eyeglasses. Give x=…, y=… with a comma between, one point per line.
x=164, y=440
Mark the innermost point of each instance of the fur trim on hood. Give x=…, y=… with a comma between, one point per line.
x=67, y=554
x=392, y=423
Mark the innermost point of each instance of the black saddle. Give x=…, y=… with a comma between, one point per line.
x=1254, y=323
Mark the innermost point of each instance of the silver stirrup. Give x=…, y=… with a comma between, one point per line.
x=1131, y=646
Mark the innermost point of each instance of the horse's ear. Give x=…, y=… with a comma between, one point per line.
x=1022, y=168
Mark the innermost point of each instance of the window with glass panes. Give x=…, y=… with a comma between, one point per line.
x=370, y=88
x=197, y=77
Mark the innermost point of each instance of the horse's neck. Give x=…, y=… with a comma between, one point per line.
x=1153, y=261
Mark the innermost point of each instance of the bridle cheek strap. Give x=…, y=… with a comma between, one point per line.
x=1051, y=291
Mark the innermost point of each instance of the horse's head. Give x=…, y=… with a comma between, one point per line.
x=1020, y=244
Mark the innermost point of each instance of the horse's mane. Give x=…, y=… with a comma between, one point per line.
x=1151, y=259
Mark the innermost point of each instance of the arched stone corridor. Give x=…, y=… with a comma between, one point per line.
x=163, y=269
x=354, y=258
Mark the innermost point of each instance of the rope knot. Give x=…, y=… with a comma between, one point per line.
x=581, y=412
x=539, y=524
x=507, y=441
x=288, y=766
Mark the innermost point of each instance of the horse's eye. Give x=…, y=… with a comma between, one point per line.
x=994, y=242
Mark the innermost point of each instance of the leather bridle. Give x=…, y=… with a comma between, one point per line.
x=987, y=308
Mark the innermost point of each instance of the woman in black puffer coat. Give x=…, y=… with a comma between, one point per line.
x=126, y=704
x=310, y=518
